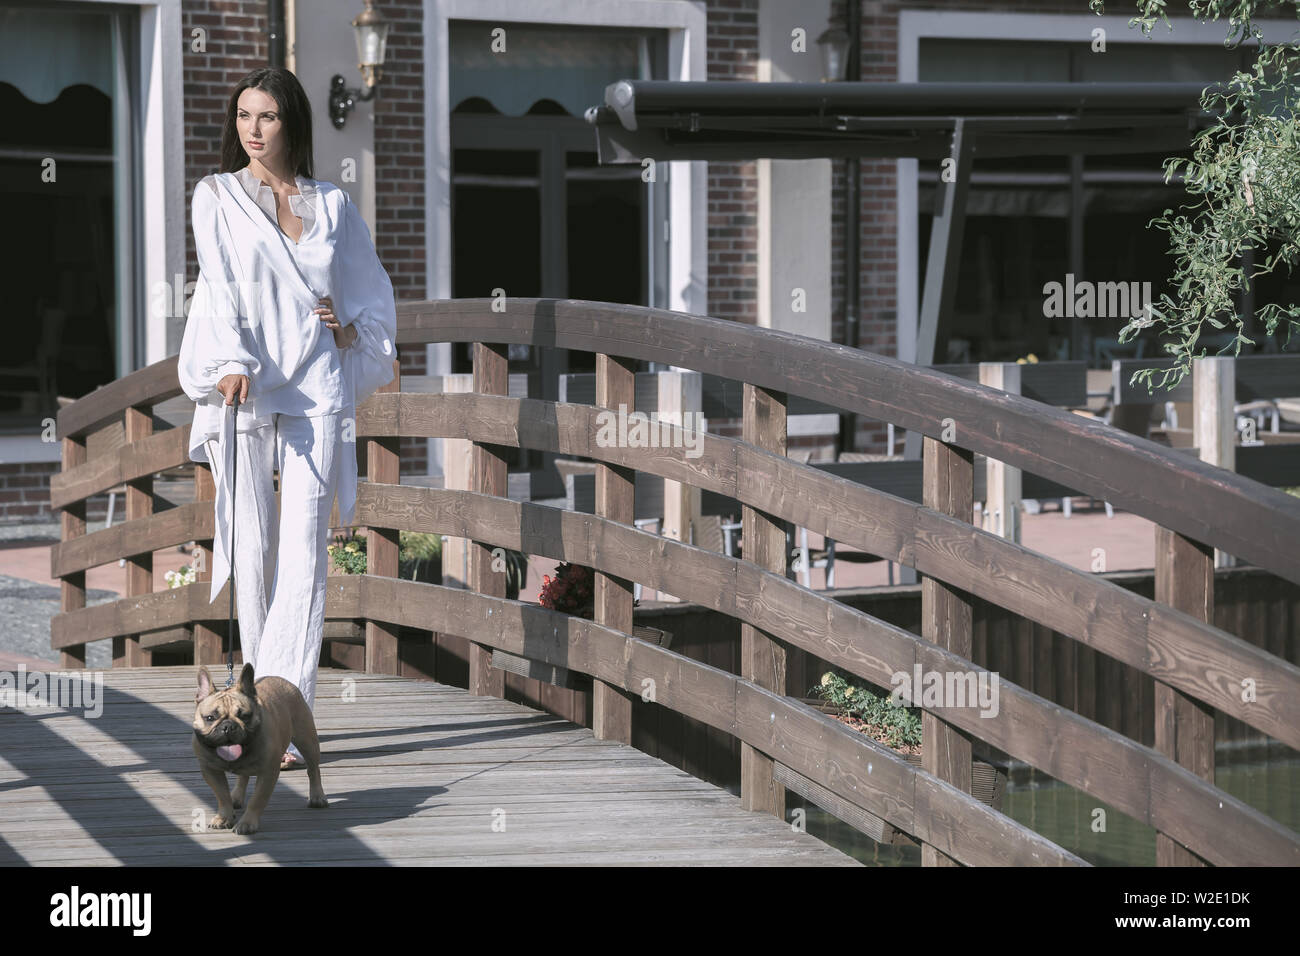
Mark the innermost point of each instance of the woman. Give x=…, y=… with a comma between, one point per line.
x=294, y=313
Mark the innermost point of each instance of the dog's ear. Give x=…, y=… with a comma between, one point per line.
x=246, y=685
x=205, y=685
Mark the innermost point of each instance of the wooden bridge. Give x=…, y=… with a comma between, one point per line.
x=1199, y=670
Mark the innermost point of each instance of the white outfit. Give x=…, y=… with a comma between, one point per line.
x=282, y=616
x=252, y=314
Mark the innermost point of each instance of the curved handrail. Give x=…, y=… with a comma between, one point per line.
x=1200, y=501
x=1030, y=728
x=1145, y=634
x=844, y=761
x=1136, y=630
x=147, y=386
x=862, y=645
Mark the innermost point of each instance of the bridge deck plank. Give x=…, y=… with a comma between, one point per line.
x=414, y=771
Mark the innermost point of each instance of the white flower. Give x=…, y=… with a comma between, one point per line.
x=185, y=575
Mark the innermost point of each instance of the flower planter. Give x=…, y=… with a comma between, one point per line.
x=540, y=670
x=652, y=635
x=988, y=785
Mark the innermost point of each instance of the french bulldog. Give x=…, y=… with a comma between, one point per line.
x=245, y=729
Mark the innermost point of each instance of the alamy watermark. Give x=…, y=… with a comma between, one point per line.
x=923, y=688
x=69, y=689
x=1096, y=300
x=639, y=430
x=78, y=909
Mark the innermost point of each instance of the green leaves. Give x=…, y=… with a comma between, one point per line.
x=900, y=726
x=1244, y=176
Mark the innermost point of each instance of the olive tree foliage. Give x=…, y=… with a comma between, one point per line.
x=1244, y=175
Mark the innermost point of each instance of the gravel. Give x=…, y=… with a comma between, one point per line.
x=34, y=531
x=26, y=609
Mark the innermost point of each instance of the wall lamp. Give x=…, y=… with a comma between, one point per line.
x=372, y=39
x=834, y=45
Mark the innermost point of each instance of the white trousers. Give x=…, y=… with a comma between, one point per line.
x=280, y=561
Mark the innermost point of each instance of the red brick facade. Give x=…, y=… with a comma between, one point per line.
x=399, y=186
x=25, y=490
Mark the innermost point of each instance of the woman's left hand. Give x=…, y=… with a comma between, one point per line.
x=343, y=337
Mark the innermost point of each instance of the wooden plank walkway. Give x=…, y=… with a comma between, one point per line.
x=416, y=773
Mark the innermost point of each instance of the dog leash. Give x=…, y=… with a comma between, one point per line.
x=234, y=473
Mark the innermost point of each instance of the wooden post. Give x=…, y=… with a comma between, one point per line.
x=139, y=567
x=762, y=659
x=489, y=478
x=72, y=587
x=948, y=486
x=681, y=399
x=611, y=706
x=1002, y=503
x=207, y=641
x=1214, y=424
x=457, y=469
x=1184, y=727
x=383, y=465
x=1132, y=417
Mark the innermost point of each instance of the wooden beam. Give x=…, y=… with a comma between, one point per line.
x=1078, y=604
x=1259, y=525
x=145, y=535
x=457, y=472
x=1214, y=423
x=946, y=620
x=148, y=456
x=207, y=639
x=143, y=388
x=383, y=545
x=491, y=366
x=680, y=401
x=762, y=658
x=1002, y=499
x=813, y=744
x=611, y=712
x=72, y=587
x=127, y=651
x=1184, y=727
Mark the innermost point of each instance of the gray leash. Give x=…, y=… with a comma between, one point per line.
x=234, y=473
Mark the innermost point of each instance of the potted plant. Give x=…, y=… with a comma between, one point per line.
x=419, y=559
x=181, y=576
x=419, y=555
x=573, y=591
x=897, y=727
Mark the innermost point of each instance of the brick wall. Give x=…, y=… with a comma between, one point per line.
x=732, y=54
x=399, y=190
x=25, y=489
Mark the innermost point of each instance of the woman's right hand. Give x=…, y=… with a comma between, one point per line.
x=231, y=384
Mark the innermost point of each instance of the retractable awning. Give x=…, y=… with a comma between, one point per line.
x=741, y=121
x=729, y=120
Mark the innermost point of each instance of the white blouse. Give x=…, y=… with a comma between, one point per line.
x=251, y=314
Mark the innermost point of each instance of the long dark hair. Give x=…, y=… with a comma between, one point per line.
x=295, y=114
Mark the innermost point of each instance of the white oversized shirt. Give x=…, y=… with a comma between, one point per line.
x=252, y=314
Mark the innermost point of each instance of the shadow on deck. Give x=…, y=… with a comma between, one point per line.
x=417, y=773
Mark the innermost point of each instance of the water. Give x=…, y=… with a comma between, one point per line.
x=1266, y=778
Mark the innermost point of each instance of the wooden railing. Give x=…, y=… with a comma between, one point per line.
x=1198, y=668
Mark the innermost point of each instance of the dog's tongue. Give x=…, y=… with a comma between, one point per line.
x=230, y=752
